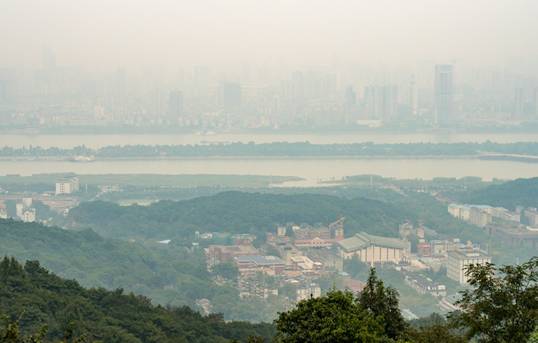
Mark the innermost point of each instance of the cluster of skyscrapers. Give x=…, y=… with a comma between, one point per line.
x=198, y=98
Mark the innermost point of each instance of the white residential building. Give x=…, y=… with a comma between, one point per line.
x=311, y=291
x=458, y=261
x=29, y=215
x=67, y=186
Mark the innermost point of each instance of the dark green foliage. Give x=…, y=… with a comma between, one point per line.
x=165, y=273
x=11, y=333
x=335, y=317
x=434, y=328
x=70, y=311
x=374, y=316
x=502, y=305
x=356, y=268
x=237, y=212
x=441, y=333
x=382, y=302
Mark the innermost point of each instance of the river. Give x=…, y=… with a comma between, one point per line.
x=313, y=170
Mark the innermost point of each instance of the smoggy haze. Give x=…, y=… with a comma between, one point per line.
x=104, y=34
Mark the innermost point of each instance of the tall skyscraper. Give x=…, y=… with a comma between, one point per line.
x=444, y=94
x=413, y=98
x=230, y=96
x=535, y=103
x=350, y=105
x=381, y=102
x=519, y=104
x=175, y=106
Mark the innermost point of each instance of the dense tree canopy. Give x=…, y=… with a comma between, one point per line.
x=502, y=305
x=33, y=298
x=335, y=317
x=373, y=316
x=236, y=212
x=383, y=303
x=521, y=192
x=168, y=274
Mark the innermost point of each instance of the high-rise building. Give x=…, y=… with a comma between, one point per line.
x=519, y=104
x=175, y=105
x=381, y=102
x=350, y=105
x=413, y=98
x=535, y=103
x=389, y=102
x=444, y=94
x=230, y=96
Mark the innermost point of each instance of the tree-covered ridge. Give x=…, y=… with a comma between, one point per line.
x=282, y=149
x=520, y=192
x=237, y=212
x=37, y=298
x=168, y=274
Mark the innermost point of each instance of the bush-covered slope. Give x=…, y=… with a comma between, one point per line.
x=40, y=298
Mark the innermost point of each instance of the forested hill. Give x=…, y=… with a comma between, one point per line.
x=168, y=274
x=40, y=298
x=520, y=192
x=236, y=212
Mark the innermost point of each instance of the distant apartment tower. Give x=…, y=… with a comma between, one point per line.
x=230, y=96
x=350, y=105
x=519, y=103
x=175, y=105
x=381, y=102
x=444, y=94
x=67, y=186
x=413, y=98
x=458, y=261
x=535, y=103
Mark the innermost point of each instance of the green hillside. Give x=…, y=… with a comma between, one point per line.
x=169, y=275
x=520, y=192
x=236, y=212
x=38, y=298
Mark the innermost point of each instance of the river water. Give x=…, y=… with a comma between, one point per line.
x=313, y=170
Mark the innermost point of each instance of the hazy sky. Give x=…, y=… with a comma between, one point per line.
x=229, y=33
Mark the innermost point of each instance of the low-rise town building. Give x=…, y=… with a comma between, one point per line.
x=252, y=264
x=374, y=249
x=425, y=285
x=226, y=253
